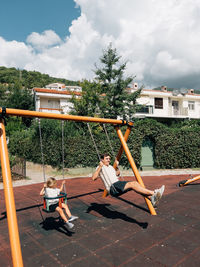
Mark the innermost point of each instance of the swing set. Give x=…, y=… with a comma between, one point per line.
x=62, y=198
x=6, y=171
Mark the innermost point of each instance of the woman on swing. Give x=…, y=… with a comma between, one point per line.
x=115, y=187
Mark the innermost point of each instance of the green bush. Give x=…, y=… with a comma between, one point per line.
x=173, y=147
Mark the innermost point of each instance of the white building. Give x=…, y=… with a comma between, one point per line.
x=55, y=97
x=163, y=103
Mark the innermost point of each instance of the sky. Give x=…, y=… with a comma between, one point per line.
x=159, y=40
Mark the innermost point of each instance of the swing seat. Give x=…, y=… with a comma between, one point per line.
x=62, y=199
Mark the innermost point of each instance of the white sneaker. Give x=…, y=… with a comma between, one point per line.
x=157, y=195
x=69, y=225
x=72, y=218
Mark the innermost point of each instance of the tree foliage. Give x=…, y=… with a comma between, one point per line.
x=29, y=79
x=88, y=104
x=115, y=100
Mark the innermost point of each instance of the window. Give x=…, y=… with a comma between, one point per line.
x=159, y=103
x=191, y=105
x=54, y=104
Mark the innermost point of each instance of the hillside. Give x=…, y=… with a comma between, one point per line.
x=29, y=79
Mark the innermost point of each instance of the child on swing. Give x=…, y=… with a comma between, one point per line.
x=50, y=190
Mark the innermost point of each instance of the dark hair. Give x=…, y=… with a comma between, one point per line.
x=104, y=155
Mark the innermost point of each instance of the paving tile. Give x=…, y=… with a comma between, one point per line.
x=181, y=243
x=42, y=260
x=142, y=261
x=139, y=241
x=69, y=252
x=89, y=261
x=192, y=260
x=95, y=241
x=164, y=255
x=116, y=254
x=5, y=256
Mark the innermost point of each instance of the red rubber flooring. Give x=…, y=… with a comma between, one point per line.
x=110, y=231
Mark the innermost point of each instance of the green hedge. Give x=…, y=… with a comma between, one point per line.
x=173, y=147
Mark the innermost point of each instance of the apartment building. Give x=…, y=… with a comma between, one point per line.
x=55, y=97
x=164, y=103
x=152, y=103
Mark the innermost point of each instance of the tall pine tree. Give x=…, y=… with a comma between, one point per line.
x=116, y=101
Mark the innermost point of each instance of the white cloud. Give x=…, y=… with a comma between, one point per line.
x=160, y=40
x=46, y=39
x=14, y=54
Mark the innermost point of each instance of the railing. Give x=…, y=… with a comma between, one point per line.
x=178, y=112
x=51, y=110
x=144, y=109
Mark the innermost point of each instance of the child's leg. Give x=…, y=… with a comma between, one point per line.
x=62, y=214
x=65, y=206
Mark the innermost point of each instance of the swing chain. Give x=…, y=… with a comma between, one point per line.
x=100, y=159
x=41, y=148
x=108, y=138
x=63, y=154
x=94, y=141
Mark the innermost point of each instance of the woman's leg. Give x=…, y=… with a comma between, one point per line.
x=138, y=189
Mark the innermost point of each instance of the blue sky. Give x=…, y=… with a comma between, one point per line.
x=159, y=40
x=19, y=18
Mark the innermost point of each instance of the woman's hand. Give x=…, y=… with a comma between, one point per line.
x=116, y=162
x=100, y=164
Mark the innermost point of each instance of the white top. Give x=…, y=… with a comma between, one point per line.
x=108, y=176
x=52, y=192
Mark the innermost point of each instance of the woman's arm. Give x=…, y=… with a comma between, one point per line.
x=116, y=163
x=96, y=173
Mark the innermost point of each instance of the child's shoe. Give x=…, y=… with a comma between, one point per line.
x=72, y=218
x=69, y=225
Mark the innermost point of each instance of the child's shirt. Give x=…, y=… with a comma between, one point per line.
x=52, y=192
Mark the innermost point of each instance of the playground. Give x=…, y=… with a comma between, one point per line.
x=109, y=231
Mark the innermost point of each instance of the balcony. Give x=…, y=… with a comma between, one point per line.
x=144, y=109
x=178, y=111
x=51, y=110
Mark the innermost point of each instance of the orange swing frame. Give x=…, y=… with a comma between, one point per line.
x=189, y=181
x=6, y=171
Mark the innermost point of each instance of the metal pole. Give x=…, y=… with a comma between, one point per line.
x=37, y=114
x=134, y=168
x=9, y=200
x=126, y=135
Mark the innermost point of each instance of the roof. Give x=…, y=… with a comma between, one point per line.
x=52, y=91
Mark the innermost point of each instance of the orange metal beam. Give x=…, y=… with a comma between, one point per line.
x=47, y=115
x=134, y=168
x=126, y=135
x=191, y=180
x=9, y=200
